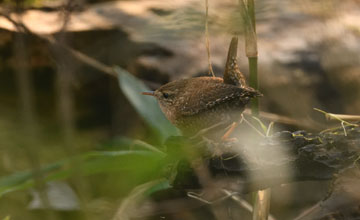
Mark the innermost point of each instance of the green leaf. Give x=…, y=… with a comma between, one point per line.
x=161, y=185
x=133, y=161
x=24, y=179
x=140, y=163
x=130, y=204
x=265, y=129
x=147, y=107
x=123, y=143
x=269, y=129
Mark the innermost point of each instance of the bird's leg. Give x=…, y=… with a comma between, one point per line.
x=225, y=137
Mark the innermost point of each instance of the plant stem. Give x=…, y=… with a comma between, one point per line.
x=211, y=71
x=262, y=197
x=262, y=204
x=251, y=51
x=253, y=79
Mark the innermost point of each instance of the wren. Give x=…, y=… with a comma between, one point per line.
x=199, y=103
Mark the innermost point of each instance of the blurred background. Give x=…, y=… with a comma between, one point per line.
x=59, y=97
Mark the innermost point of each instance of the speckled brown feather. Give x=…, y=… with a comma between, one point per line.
x=203, y=101
x=198, y=103
x=214, y=92
x=232, y=74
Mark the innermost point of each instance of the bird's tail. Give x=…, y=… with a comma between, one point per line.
x=253, y=92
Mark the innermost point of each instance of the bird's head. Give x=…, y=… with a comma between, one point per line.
x=169, y=95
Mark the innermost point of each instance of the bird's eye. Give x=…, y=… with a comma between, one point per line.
x=166, y=95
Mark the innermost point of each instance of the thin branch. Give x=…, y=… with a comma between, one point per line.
x=252, y=126
x=29, y=128
x=285, y=120
x=262, y=204
x=82, y=57
x=339, y=117
x=198, y=197
x=243, y=203
x=211, y=71
x=74, y=53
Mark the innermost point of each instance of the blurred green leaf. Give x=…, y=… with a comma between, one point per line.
x=20, y=180
x=116, y=143
x=147, y=107
x=161, y=185
x=263, y=126
x=124, y=143
x=130, y=204
x=141, y=163
x=134, y=161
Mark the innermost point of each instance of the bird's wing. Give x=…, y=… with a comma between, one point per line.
x=214, y=95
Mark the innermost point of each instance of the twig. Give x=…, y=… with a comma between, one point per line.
x=82, y=57
x=308, y=124
x=243, y=203
x=331, y=116
x=65, y=101
x=198, y=197
x=211, y=71
x=252, y=126
x=339, y=117
x=29, y=129
x=345, y=117
x=17, y=24
x=262, y=204
x=76, y=54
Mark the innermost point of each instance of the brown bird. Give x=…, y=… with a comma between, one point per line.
x=199, y=103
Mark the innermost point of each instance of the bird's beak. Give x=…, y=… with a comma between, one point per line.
x=151, y=93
